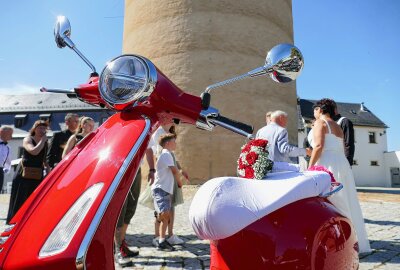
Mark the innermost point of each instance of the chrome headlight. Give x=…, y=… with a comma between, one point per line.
x=126, y=79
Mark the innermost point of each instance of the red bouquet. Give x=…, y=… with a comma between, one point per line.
x=253, y=162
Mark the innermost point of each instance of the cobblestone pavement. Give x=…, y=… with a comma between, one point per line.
x=381, y=212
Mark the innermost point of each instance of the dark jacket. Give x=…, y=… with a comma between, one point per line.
x=57, y=145
x=348, y=131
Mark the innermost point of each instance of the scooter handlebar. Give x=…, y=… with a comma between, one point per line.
x=235, y=126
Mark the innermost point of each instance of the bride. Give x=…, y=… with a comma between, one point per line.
x=326, y=138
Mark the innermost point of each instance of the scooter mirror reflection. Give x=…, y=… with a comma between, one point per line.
x=62, y=32
x=284, y=63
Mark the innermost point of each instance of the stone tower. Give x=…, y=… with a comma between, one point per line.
x=197, y=43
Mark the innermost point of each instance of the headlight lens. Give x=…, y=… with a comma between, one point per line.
x=125, y=79
x=65, y=230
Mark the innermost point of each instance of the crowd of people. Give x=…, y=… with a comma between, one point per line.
x=331, y=144
x=39, y=156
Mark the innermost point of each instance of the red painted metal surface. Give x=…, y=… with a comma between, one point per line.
x=89, y=92
x=97, y=159
x=308, y=234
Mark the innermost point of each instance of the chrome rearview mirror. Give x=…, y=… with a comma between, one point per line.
x=62, y=33
x=284, y=63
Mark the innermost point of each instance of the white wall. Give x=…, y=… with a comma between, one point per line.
x=392, y=160
x=365, y=152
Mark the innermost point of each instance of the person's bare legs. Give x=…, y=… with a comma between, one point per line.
x=164, y=218
x=156, y=228
x=171, y=222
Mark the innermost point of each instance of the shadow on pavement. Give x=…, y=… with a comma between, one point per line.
x=382, y=222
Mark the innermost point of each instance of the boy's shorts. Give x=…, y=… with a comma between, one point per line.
x=162, y=200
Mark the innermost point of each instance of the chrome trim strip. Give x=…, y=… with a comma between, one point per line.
x=333, y=190
x=80, y=260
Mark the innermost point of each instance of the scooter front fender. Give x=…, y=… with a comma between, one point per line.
x=110, y=156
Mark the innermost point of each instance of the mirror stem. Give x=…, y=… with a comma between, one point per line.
x=253, y=73
x=71, y=45
x=84, y=59
x=219, y=84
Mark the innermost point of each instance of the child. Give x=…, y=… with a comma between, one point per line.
x=163, y=186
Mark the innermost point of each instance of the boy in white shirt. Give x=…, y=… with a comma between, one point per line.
x=163, y=186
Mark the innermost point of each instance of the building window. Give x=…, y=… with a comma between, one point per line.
x=372, y=138
x=374, y=163
x=355, y=162
x=20, y=120
x=45, y=117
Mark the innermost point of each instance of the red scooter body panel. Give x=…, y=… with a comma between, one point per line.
x=89, y=92
x=307, y=234
x=98, y=158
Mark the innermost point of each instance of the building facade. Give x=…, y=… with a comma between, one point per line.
x=373, y=165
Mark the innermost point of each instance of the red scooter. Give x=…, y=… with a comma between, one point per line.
x=69, y=221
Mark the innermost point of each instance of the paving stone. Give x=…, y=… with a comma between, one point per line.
x=382, y=223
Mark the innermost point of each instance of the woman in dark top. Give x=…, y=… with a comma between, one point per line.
x=33, y=156
x=86, y=125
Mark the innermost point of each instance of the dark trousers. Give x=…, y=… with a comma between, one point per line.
x=1, y=180
x=129, y=207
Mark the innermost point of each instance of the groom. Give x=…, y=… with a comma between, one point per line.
x=348, y=134
x=278, y=143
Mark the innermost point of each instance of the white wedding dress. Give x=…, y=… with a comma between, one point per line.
x=346, y=201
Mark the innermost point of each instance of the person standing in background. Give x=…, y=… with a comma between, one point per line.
x=5, y=160
x=30, y=170
x=57, y=144
x=278, y=142
x=86, y=126
x=348, y=132
x=267, y=120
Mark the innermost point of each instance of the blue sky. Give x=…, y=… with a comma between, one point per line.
x=350, y=49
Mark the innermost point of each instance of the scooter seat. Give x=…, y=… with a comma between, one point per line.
x=225, y=205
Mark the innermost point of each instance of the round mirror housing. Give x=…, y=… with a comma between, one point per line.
x=62, y=32
x=284, y=63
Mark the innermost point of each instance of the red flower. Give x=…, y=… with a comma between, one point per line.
x=322, y=169
x=249, y=172
x=240, y=164
x=246, y=148
x=251, y=158
x=259, y=142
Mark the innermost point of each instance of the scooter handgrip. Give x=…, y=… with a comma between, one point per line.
x=239, y=125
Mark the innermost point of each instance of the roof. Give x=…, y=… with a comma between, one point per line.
x=357, y=113
x=42, y=102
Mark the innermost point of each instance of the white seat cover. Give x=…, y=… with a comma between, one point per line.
x=225, y=205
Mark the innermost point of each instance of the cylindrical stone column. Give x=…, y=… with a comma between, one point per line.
x=198, y=43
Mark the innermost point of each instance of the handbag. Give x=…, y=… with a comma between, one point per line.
x=32, y=172
x=146, y=197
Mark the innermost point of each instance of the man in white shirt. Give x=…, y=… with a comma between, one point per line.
x=5, y=160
